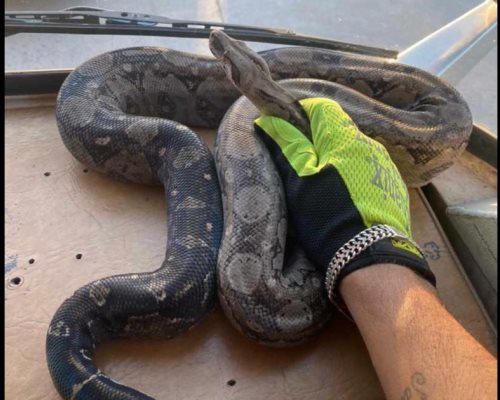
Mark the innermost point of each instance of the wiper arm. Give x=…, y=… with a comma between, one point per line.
x=92, y=21
x=99, y=16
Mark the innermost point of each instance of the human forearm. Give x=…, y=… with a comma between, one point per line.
x=418, y=349
x=344, y=193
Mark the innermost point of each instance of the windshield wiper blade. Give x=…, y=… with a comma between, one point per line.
x=92, y=21
x=99, y=16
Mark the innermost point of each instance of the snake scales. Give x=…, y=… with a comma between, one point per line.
x=123, y=113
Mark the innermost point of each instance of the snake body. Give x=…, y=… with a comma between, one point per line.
x=123, y=113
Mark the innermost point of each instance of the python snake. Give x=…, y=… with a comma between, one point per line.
x=123, y=113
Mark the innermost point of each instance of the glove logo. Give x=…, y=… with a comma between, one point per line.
x=389, y=181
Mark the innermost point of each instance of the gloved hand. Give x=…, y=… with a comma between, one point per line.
x=338, y=186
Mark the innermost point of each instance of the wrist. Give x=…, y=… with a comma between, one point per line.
x=381, y=290
x=379, y=244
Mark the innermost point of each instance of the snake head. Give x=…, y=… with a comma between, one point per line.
x=249, y=72
x=241, y=64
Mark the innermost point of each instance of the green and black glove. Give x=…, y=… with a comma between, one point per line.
x=345, y=196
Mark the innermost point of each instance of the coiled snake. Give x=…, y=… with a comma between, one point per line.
x=122, y=113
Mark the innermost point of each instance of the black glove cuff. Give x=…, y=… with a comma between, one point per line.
x=383, y=252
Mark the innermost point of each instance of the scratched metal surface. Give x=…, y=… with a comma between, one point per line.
x=56, y=210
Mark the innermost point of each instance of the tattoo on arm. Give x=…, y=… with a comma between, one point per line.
x=415, y=391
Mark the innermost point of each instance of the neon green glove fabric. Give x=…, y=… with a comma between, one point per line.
x=339, y=184
x=373, y=181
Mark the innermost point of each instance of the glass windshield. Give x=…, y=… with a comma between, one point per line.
x=388, y=24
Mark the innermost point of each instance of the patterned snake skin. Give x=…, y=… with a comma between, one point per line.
x=122, y=113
